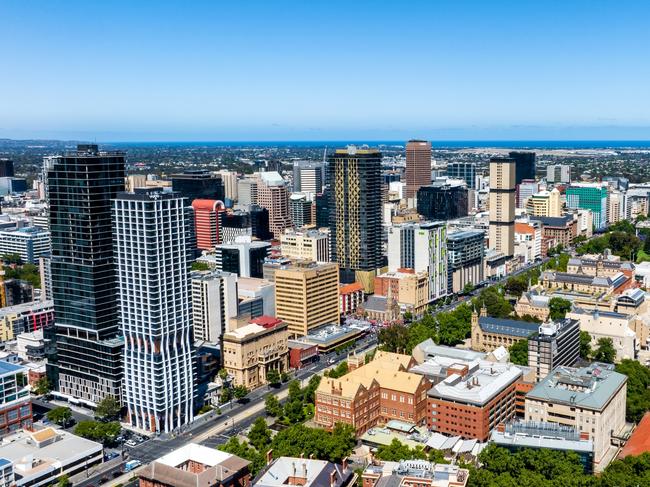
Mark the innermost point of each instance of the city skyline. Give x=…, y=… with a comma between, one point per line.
x=293, y=71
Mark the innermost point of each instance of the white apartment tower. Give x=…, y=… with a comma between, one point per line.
x=214, y=302
x=422, y=247
x=152, y=246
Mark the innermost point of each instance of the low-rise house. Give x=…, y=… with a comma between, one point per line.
x=305, y=472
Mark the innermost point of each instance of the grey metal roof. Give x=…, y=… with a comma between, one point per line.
x=553, y=221
x=588, y=387
x=537, y=441
x=376, y=303
x=462, y=235
x=502, y=326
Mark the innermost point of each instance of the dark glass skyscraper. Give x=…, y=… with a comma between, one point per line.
x=6, y=168
x=81, y=185
x=323, y=208
x=442, y=201
x=525, y=165
x=354, y=176
x=198, y=183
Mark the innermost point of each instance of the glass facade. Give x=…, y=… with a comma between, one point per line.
x=193, y=184
x=81, y=186
x=442, y=201
x=525, y=165
x=463, y=170
x=589, y=197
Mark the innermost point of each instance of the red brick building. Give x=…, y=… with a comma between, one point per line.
x=301, y=353
x=372, y=394
x=473, y=399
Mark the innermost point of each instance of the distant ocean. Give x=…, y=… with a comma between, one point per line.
x=438, y=144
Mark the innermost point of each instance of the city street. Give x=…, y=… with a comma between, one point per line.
x=234, y=418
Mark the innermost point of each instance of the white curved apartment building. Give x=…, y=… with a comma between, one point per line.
x=152, y=252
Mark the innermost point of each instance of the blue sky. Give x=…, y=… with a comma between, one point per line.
x=310, y=70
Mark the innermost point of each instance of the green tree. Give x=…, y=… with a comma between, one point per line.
x=226, y=395
x=394, y=338
x=64, y=481
x=585, y=345
x=397, y=451
x=272, y=406
x=240, y=392
x=605, y=351
x=108, y=408
x=516, y=285
x=11, y=259
x=299, y=439
x=294, y=411
x=60, y=415
x=623, y=226
x=492, y=298
x=98, y=431
x=260, y=435
x=519, y=352
x=339, y=371
x=273, y=377
x=638, y=392
x=468, y=288
x=558, y=308
x=309, y=391
x=200, y=266
x=243, y=450
x=42, y=386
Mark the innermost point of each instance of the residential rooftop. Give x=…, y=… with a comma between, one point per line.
x=309, y=472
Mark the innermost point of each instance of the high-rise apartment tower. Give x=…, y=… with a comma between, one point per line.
x=153, y=247
x=88, y=360
x=355, y=213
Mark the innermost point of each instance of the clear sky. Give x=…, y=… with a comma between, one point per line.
x=324, y=70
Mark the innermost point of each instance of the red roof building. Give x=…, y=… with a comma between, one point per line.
x=206, y=223
x=266, y=321
x=639, y=442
